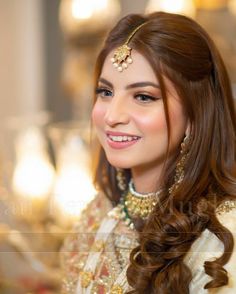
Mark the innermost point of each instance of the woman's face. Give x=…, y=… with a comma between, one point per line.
x=129, y=116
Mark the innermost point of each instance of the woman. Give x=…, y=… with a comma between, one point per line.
x=164, y=221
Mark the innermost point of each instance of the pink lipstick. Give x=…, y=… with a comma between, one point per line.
x=121, y=140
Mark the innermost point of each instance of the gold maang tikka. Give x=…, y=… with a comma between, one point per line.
x=122, y=55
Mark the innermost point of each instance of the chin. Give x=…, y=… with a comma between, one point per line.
x=119, y=163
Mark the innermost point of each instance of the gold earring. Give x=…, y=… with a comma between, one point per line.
x=180, y=166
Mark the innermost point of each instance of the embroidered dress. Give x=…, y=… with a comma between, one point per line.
x=96, y=255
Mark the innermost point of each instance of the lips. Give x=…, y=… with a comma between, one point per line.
x=120, y=140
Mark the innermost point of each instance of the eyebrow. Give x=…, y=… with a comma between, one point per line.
x=134, y=85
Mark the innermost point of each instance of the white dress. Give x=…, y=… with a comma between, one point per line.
x=95, y=255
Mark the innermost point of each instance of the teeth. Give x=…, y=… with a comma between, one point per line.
x=122, y=138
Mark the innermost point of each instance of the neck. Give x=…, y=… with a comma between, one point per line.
x=146, y=180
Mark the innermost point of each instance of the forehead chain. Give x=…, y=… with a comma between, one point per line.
x=122, y=55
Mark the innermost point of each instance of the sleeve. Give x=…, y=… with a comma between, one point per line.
x=208, y=247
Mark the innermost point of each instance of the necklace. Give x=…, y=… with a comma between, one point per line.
x=140, y=205
x=135, y=205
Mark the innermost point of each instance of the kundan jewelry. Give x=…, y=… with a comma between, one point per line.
x=135, y=205
x=140, y=205
x=122, y=55
x=180, y=166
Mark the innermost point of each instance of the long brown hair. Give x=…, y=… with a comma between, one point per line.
x=178, y=48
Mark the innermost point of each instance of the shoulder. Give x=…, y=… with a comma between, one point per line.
x=209, y=247
x=87, y=224
x=226, y=207
x=226, y=214
x=93, y=213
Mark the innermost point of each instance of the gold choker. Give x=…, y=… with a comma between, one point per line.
x=135, y=205
x=140, y=205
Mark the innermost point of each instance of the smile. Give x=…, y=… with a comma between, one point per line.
x=122, y=138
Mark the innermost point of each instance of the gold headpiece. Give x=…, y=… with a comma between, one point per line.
x=122, y=55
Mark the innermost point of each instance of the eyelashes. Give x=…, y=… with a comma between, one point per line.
x=145, y=98
x=103, y=92
x=140, y=97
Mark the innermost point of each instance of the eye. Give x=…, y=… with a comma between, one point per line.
x=103, y=92
x=145, y=98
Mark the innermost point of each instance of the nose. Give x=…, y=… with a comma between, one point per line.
x=117, y=112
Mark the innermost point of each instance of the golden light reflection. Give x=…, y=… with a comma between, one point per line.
x=73, y=190
x=211, y=4
x=172, y=6
x=81, y=17
x=33, y=175
x=232, y=6
x=80, y=11
x=85, y=9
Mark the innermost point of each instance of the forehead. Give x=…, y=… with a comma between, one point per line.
x=138, y=71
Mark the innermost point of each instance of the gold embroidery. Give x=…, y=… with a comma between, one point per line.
x=79, y=265
x=118, y=213
x=226, y=206
x=86, y=278
x=116, y=289
x=114, y=257
x=95, y=226
x=68, y=285
x=97, y=246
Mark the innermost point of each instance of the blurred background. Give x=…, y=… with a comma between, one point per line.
x=47, y=55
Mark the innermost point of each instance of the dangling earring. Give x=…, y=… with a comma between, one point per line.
x=179, y=170
x=121, y=180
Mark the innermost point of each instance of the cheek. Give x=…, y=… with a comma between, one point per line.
x=98, y=113
x=152, y=123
